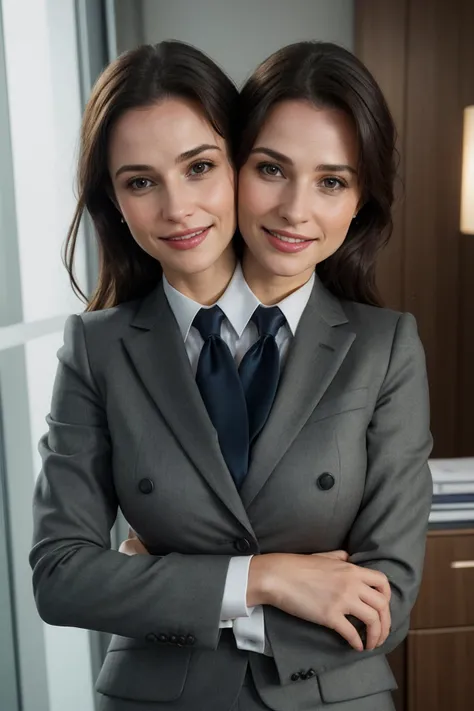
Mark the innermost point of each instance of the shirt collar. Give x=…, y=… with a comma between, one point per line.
x=238, y=303
x=184, y=309
x=294, y=304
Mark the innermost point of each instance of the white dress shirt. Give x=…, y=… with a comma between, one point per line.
x=238, y=303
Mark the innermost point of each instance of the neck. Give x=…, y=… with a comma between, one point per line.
x=206, y=287
x=271, y=288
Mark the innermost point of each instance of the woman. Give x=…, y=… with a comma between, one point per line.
x=129, y=427
x=315, y=190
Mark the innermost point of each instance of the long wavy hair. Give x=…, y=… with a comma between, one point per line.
x=329, y=76
x=137, y=78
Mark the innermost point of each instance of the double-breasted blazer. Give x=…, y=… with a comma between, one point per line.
x=341, y=463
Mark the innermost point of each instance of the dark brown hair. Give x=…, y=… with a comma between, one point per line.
x=137, y=78
x=331, y=77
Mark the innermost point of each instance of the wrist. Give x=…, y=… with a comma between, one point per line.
x=260, y=584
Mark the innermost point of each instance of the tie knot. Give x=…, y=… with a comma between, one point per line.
x=268, y=320
x=208, y=322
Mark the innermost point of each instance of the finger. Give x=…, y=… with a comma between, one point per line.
x=131, y=532
x=379, y=602
x=371, y=618
x=376, y=580
x=132, y=546
x=386, y=620
x=347, y=630
x=337, y=555
x=127, y=548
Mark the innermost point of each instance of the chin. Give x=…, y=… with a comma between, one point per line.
x=195, y=263
x=284, y=265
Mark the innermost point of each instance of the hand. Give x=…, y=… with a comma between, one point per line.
x=385, y=618
x=133, y=545
x=324, y=588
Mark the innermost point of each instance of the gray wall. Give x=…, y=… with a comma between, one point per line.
x=129, y=25
x=238, y=34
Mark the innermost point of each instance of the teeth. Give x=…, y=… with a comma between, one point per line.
x=291, y=240
x=180, y=239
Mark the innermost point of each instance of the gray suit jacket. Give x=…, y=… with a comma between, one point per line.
x=341, y=463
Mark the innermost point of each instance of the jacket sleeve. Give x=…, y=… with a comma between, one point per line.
x=389, y=533
x=78, y=581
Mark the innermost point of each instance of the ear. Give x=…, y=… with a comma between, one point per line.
x=359, y=207
x=111, y=195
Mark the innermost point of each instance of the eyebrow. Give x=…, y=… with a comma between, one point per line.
x=323, y=167
x=187, y=155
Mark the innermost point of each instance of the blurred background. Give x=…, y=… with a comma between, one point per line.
x=51, y=51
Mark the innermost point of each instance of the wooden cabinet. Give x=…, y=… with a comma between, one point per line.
x=440, y=670
x=435, y=666
x=446, y=597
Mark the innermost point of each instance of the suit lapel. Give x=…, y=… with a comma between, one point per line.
x=320, y=345
x=155, y=346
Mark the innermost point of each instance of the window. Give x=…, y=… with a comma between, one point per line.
x=50, y=53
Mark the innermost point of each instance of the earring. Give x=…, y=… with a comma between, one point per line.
x=122, y=220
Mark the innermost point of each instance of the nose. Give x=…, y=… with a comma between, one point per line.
x=176, y=204
x=295, y=206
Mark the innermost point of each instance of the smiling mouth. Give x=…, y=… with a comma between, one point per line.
x=186, y=236
x=286, y=238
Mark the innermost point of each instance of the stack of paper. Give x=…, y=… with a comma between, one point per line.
x=453, y=489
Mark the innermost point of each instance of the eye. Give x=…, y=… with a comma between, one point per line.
x=333, y=184
x=140, y=183
x=201, y=167
x=270, y=170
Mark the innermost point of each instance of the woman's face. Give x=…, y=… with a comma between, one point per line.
x=174, y=186
x=298, y=190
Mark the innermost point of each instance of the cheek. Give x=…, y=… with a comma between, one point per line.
x=255, y=198
x=220, y=198
x=138, y=213
x=338, y=215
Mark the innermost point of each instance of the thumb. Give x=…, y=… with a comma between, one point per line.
x=337, y=555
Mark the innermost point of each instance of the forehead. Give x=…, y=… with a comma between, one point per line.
x=301, y=129
x=160, y=132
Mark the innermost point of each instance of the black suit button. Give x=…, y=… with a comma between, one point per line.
x=181, y=641
x=162, y=638
x=190, y=639
x=151, y=637
x=146, y=486
x=295, y=677
x=173, y=639
x=309, y=674
x=242, y=545
x=326, y=481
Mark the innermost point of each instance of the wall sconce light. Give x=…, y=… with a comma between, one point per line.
x=467, y=190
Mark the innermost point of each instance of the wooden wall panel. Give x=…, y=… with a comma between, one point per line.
x=422, y=54
x=433, y=170
x=466, y=301
x=376, y=47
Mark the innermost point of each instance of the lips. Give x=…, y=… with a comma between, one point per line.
x=185, y=234
x=289, y=237
x=287, y=242
x=188, y=239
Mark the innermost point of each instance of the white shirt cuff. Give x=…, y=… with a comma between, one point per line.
x=249, y=632
x=234, y=601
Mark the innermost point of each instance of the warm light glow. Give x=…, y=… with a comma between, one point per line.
x=467, y=194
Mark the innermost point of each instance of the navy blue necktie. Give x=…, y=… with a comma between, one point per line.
x=260, y=368
x=218, y=380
